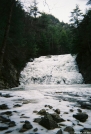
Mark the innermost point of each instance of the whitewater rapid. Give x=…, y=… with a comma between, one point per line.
x=52, y=69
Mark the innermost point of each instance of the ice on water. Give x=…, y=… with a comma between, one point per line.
x=58, y=69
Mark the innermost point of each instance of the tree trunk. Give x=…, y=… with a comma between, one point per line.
x=2, y=52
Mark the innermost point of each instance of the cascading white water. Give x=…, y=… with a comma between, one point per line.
x=59, y=69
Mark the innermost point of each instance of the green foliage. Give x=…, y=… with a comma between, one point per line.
x=30, y=37
x=82, y=35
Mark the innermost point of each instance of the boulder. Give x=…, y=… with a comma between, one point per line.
x=48, y=122
x=12, y=124
x=81, y=117
x=3, y=128
x=59, y=132
x=42, y=112
x=86, y=130
x=3, y=107
x=69, y=129
x=57, y=118
x=57, y=111
x=26, y=126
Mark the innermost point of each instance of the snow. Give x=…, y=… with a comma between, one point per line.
x=59, y=69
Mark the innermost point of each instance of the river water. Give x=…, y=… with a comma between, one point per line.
x=48, y=80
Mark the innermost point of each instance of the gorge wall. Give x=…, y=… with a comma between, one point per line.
x=84, y=63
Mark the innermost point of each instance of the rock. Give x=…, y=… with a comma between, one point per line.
x=9, y=113
x=27, y=125
x=81, y=117
x=17, y=105
x=71, y=110
x=7, y=95
x=37, y=120
x=42, y=112
x=69, y=129
x=79, y=110
x=31, y=59
x=49, y=106
x=12, y=124
x=0, y=94
x=86, y=105
x=35, y=111
x=65, y=112
x=59, y=132
x=7, y=132
x=57, y=118
x=48, y=122
x=86, y=131
x=35, y=130
x=4, y=120
x=3, y=128
x=3, y=107
x=57, y=111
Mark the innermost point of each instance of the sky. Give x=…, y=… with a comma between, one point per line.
x=61, y=9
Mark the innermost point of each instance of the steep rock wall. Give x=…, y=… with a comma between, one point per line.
x=84, y=63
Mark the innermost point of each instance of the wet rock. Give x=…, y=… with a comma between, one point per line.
x=9, y=113
x=27, y=125
x=65, y=112
x=86, y=131
x=3, y=128
x=7, y=132
x=7, y=95
x=57, y=111
x=79, y=110
x=17, y=105
x=12, y=124
x=69, y=129
x=81, y=117
x=26, y=101
x=48, y=122
x=37, y=120
x=35, y=111
x=0, y=94
x=42, y=112
x=59, y=132
x=86, y=105
x=24, y=117
x=57, y=118
x=3, y=107
x=71, y=110
x=35, y=130
x=4, y=120
x=49, y=106
x=31, y=59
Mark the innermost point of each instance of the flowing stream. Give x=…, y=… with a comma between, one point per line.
x=48, y=81
x=59, y=69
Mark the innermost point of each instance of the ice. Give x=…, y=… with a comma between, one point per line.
x=59, y=69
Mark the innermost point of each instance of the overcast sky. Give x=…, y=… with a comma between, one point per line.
x=59, y=8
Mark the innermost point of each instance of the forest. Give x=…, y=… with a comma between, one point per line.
x=25, y=35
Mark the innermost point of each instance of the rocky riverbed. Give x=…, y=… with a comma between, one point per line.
x=46, y=110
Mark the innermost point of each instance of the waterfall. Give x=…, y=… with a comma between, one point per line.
x=52, y=69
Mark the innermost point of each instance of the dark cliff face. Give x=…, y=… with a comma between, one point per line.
x=84, y=63
x=10, y=76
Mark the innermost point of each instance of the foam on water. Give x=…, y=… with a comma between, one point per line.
x=59, y=69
